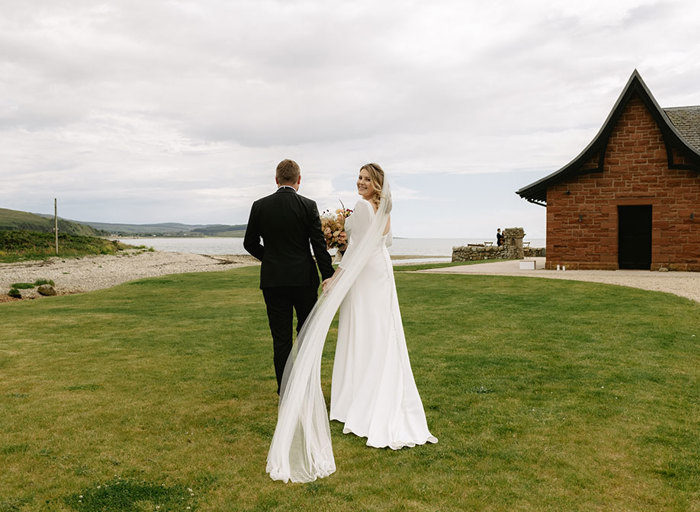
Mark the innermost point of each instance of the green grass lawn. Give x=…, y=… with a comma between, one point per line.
x=545, y=395
x=423, y=266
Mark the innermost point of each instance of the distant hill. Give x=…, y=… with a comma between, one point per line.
x=237, y=230
x=14, y=220
x=165, y=228
x=170, y=229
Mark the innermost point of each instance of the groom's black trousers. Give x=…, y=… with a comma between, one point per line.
x=280, y=301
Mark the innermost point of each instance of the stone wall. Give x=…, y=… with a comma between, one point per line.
x=477, y=252
x=535, y=252
x=512, y=249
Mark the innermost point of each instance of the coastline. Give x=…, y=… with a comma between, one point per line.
x=89, y=273
x=78, y=275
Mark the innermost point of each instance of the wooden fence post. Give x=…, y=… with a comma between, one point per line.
x=55, y=221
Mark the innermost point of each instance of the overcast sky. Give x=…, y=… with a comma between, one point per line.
x=156, y=111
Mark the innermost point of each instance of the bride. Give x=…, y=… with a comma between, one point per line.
x=373, y=391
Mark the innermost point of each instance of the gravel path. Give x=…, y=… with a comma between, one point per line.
x=95, y=272
x=685, y=284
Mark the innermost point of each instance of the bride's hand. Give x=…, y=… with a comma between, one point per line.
x=326, y=283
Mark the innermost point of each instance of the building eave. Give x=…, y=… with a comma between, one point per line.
x=536, y=192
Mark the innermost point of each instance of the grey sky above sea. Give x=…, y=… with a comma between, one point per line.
x=142, y=112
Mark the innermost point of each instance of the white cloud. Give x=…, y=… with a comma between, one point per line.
x=180, y=110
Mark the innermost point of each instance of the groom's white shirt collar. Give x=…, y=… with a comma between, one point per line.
x=286, y=186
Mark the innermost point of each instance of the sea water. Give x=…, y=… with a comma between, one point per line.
x=422, y=249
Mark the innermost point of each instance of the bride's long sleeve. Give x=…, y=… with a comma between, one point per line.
x=356, y=227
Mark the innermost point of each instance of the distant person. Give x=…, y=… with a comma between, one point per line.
x=289, y=226
x=499, y=237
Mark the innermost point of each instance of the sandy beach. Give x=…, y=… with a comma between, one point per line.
x=96, y=272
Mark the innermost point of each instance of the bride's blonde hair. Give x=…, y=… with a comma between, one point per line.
x=376, y=176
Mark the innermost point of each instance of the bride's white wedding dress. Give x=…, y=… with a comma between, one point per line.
x=374, y=394
x=373, y=391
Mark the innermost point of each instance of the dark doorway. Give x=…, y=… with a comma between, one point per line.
x=634, y=231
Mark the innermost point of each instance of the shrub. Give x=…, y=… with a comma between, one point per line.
x=14, y=292
x=39, y=282
x=22, y=286
x=28, y=245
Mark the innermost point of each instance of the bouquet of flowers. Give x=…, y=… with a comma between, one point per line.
x=332, y=225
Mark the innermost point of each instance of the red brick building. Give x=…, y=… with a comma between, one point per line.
x=631, y=199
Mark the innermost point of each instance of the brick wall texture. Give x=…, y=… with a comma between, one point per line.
x=582, y=219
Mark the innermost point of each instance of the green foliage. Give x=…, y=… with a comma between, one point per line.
x=22, y=286
x=15, y=293
x=545, y=395
x=40, y=282
x=29, y=245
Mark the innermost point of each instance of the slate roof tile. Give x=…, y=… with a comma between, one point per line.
x=687, y=122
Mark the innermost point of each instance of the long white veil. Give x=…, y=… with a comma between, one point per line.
x=301, y=448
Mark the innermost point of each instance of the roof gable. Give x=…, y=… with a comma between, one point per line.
x=680, y=127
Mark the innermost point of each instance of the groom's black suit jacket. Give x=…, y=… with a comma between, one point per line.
x=287, y=222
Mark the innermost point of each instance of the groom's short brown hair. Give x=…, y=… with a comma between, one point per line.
x=287, y=172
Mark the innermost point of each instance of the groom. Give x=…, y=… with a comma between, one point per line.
x=288, y=223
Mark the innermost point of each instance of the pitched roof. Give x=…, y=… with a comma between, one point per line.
x=687, y=121
x=679, y=128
